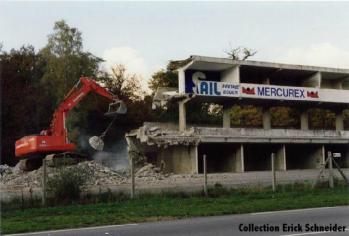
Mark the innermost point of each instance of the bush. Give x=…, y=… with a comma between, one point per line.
x=67, y=184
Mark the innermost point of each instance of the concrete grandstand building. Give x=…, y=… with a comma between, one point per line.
x=179, y=147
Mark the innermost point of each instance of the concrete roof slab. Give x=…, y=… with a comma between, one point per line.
x=215, y=63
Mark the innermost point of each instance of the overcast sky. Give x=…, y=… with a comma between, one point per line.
x=145, y=36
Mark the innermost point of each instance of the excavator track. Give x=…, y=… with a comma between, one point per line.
x=64, y=159
x=30, y=164
x=52, y=160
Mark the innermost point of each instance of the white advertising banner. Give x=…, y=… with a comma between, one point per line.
x=273, y=92
x=279, y=92
x=212, y=88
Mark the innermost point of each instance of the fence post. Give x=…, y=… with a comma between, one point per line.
x=273, y=171
x=205, y=175
x=132, y=177
x=330, y=166
x=44, y=176
x=22, y=198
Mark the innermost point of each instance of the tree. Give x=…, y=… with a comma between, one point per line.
x=164, y=78
x=346, y=119
x=284, y=117
x=33, y=84
x=119, y=82
x=128, y=88
x=67, y=184
x=65, y=40
x=246, y=116
x=66, y=61
x=321, y=119
x=22, y=101
x=240, y=53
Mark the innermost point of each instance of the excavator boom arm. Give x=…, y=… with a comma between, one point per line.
x=75, y=95
x=55, y=139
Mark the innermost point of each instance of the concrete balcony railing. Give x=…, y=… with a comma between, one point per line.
x=271, y=135
x=169, y=131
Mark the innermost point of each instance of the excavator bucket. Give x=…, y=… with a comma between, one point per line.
x=97, y=143
x=116, y=108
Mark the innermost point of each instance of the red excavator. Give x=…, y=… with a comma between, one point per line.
x=53, y=142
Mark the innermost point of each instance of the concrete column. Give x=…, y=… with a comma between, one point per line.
x=313, y=81
x=231, y=75
x=235, y=160
x=304, y=120
x=280, y=160
x=345, y=83
x=339, y=120
x=181, y=80
x=178, y=159
x=323, y=154
x=226, y=116
x=346, y=159
x=315, y=158
x=196, y=155
x=182, y=116
x=240, y=163
x=337, y=84
x=266, y=118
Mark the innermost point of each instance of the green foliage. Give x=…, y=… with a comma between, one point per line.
x=65, y=40
x=22, y=101
x=321, y=119
x=247, y=116
x=66, y=61
x=170, y=206
x=128, y=88
x=284, y=117
x=163, y=78
x=346, y=119
x=204, y=113
x=34, y=83
x=67, y=184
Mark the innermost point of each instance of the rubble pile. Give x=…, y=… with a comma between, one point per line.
x=13, y=177
x=150, y=173
x=103, y=175
x=163, y=136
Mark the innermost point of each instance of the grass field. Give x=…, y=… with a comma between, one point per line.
x=169, y=206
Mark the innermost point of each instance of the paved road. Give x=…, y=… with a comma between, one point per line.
x=225, y=225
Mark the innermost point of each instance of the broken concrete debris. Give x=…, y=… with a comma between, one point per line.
x=162, y=137
x=13, y=177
